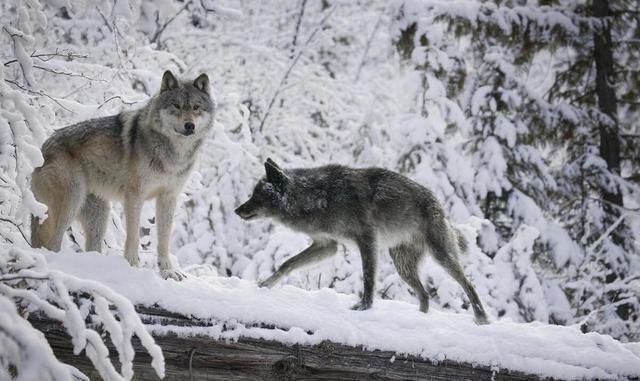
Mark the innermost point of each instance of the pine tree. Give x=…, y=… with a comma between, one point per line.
x=515, y=115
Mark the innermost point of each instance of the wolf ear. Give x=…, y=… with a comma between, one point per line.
x=275, y=175
x=169, y=82
x=273, y=163
x=202, y=83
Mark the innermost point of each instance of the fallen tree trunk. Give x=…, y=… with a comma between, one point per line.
x=204, y=358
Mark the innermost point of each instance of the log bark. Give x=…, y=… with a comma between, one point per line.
x=204, y=358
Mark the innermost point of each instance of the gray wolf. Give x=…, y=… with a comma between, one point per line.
x=130, y=157
x=365, y=206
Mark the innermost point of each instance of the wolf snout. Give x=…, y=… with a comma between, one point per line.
x=189, y=128
x=245, y=213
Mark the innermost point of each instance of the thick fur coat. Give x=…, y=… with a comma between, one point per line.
x=130, y=157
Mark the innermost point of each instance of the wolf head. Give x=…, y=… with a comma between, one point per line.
x=184, y=108
x=267, y=197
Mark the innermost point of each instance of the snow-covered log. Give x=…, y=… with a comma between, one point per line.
x=236, y=326
x=204, y=358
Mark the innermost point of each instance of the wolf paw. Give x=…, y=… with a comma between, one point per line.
x=176, y=275
x=134, y=261
x=361, y=306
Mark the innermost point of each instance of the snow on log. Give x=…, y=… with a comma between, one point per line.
x=204, y=358
x=230, y=314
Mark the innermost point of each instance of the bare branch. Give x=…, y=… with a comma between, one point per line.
x=17, y=227
x=622, y=209
x=221, y=10
x=39, y=93
x=294, y=61
x=67, y=73
x=368, y=46
x=162, y=27
x=119, y=98
x=295, y=33
x=16, y=46
x=58, y=72
x=104, y=18
x=68, y=55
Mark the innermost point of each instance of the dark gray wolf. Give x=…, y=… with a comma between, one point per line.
x=336, y=203
x=132, y=157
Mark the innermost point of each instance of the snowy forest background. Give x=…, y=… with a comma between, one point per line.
x=522, y=116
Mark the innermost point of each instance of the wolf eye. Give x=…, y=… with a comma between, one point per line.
x=195, y=107
x=177, y=106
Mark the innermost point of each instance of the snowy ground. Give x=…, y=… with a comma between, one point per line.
x=309, y=317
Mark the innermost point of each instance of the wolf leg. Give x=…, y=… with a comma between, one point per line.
x=454, y=269
x=94, y=216
x=165, y=207
x=405, y=258
x=318, y=251
x=132, y=210
x=367, y=246
x=59, y=186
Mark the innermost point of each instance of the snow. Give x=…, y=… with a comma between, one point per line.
x=468, y=116
x=309, y=317
x=26, y=279
x=23, y=345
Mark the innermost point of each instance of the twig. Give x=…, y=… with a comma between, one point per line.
x=17, y=45
x=607, y=232
x=75, y=90
x=48, y=56
x=161, y=29
x=104, y=18
x=40, y=93
x=295, y=33
x=70, y=74
x=291, y=66
x=221, y=10
x=119, y=98
x=12, y=35
x=586, y=318
x=115, y=33
x=17, y=227
x=615, y=206
x=368, y=46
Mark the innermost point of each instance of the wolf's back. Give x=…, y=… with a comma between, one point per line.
x=83, y=134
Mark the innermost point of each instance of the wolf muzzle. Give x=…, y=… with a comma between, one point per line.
x=246, y=211
x=189, y=129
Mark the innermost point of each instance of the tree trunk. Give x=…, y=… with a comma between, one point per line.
x=607, y=102
x=609, y=129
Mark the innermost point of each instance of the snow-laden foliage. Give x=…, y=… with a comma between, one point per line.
x=545, y=142
x=81, y=306
x=26, y=352
x=465, y=97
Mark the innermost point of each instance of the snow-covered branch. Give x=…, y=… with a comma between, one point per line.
x=81, y=306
